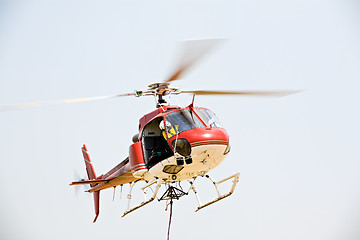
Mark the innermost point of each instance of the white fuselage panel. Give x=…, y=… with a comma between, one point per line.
x=204, y=159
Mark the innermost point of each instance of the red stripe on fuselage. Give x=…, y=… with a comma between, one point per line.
x=204, y=136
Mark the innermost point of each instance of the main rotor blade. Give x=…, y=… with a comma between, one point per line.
x=247, y=93
x=14, y=107
x=192, y=51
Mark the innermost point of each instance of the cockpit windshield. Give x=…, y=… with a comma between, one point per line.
x=183, y=120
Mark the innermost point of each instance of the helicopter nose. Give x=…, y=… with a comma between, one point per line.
x=206, y=136
x=198, y=137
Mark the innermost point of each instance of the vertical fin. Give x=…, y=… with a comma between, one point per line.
x=91, y=175
x=89, y=167
x=97, y=204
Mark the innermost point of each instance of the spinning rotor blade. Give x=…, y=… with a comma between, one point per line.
x=78, y=178
x=71, y=100
x=247, y=93
x=192, y=51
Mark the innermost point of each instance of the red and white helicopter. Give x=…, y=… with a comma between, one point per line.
x=174, y=144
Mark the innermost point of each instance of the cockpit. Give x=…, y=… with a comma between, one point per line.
x=156, y=133
x=187, y=119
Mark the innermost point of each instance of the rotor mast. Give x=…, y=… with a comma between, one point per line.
x=159, y=91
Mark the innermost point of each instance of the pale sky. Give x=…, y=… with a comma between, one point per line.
x=298, y=156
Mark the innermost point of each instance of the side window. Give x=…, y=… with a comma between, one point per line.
x=208, y=117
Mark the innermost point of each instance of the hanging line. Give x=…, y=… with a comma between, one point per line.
x=171, y=204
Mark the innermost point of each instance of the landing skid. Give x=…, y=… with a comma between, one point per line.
x=173, y=192
x=158, y=183
x=235, y=178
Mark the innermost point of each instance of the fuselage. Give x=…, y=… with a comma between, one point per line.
x=173, y=144
x=208, y=149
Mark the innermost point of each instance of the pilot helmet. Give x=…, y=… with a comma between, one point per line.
x=162, y=125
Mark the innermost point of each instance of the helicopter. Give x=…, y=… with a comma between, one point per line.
x=174, y=144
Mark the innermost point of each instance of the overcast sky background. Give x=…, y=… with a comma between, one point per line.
x=299, y=156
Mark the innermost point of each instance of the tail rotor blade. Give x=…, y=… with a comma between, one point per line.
x=78, y=178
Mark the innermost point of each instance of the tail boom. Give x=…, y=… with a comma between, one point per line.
x=119, y=175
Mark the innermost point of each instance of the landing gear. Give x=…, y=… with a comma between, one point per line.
x=158, y=183
x=235, y=178
x=175, y=191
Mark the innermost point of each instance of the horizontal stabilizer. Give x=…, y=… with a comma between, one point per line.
x=95, y=181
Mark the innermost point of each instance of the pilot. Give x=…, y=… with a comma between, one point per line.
x=157, y=153
x=169, y=129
